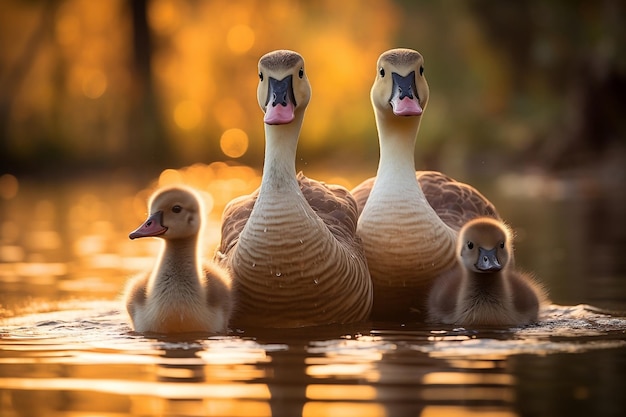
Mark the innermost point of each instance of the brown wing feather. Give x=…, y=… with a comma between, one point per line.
x=219, y=288
x=455, y=202
x=362, y=192
x=135, y=293
x=333, y=204
x=235, y=216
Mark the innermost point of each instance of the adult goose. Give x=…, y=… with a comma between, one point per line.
x=180, y=294
x=409, y=220
x=484, y=289
x=291, y=245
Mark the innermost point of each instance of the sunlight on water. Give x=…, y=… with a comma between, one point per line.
x=443, y=411
x=66, y=345
x=92, y=351
x=312, y=409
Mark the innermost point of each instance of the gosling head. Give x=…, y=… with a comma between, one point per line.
x=284, y=88
x=484, y=245
x=400, y=87
x=175, y=213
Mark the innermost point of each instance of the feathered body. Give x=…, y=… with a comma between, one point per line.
x=292, y=245
x=181, y=294
x=408, y=220
x=484, y=288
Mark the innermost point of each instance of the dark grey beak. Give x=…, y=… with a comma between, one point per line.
x=488, y=260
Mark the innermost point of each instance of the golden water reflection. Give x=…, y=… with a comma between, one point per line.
x=63, y=241
x=62, y=245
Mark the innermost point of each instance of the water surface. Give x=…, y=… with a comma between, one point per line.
x=66, y=348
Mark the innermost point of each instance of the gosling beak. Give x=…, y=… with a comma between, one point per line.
x=281, y=103
x=487, y=260
x=404, y=99
x=153, y=226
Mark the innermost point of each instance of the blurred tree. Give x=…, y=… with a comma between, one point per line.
x=148, y=141
x=14, y=75
x=158, y=83
x=571, y=48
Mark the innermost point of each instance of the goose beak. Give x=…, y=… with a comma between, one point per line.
x=153, y=226
x=280, y=105
x=404, y=99
x=487, y=260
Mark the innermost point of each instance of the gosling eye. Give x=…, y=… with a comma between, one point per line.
x=177, y=209
x=301, y=73
x=470, y=245
x=421, y=70
x=501, y=245
x=261, y=76
x=381, y=72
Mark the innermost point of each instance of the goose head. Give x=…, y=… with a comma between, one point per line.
x=284, y=90
x=484, y=245
x=175, y=213
x=400, y=87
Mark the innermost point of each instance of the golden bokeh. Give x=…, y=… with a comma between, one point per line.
x=9, y=186
x=170, y=177
x=94, y=84
x=187, y=115
x=234, y=142
x=165, y=16
x=240, y=39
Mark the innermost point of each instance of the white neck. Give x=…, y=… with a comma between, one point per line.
x=397, y=144
x=280, y=204
x=279, y=167
x=402, y=235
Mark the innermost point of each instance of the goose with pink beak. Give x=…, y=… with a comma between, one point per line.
x=291, y=245
x=409, y=220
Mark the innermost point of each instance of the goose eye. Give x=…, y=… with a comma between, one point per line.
x=261, y=76
x=470, y=245
x=421, y=70
x=177, y=209
x=301, y=73
x=382, y=72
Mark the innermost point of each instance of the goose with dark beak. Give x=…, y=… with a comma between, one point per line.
x=181, y=294
x=485, y=288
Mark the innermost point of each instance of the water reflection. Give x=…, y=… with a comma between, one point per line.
x=66, y=348
x=86, y=357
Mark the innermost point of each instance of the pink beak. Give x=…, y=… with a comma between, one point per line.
x=153, y=226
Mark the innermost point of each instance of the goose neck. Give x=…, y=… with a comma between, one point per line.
x=281, y=142
x=487, y=284
x=397, y=136
x=180, y=257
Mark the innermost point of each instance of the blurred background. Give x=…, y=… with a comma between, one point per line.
x=101, y=101
x=144, y=85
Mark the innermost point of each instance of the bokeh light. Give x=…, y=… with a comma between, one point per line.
x=170, y=177
x=234, y=142
x=9, y=186
x=187, y=115
x=165, y=16
x=240, y=39
x=94, y=84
